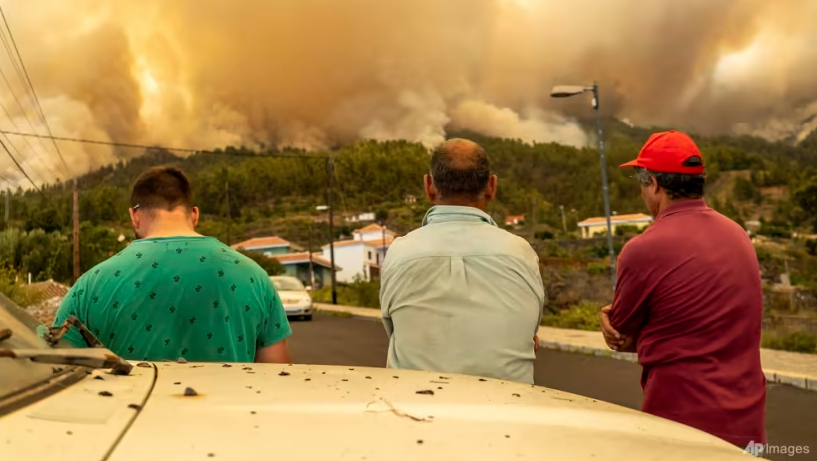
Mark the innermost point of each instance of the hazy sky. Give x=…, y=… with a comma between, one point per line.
x=312, y=73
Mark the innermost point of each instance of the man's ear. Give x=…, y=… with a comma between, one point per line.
x=431, y=192
x=490, y=191
x=134, y=218
x=656, y=188
x=194, y=216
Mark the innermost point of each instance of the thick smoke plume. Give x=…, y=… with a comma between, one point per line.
x=315, y=73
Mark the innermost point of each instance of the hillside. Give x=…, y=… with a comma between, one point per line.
x=274, y=195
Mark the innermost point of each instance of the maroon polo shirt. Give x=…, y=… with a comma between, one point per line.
x=689, y=290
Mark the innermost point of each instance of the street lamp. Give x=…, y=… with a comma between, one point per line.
x=566, y=91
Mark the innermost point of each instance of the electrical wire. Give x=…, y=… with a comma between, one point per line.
x=26, y=174
x=34, y=151
x=170, y=149
x=33, y=93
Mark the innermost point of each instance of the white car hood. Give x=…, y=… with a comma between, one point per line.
x=314, y=412
x=294, y=295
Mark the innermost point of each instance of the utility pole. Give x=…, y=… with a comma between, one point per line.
x=330, y=171
x=311, y=269
x=564, y=221
x=229, y=215
x=533, y=220
x=76, y=230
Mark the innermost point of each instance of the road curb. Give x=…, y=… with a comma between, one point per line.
x=773, y=376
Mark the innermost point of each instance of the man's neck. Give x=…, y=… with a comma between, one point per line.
x=669, y=202
x=468, y=203
x=161, y=233
x=170, y=229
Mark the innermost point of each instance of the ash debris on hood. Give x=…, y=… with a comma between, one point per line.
x=390, y=408
x=189, y=392
x=283, y=373
x=426, y=392
x=105, y=394
x=144, y=365
x=181, y=360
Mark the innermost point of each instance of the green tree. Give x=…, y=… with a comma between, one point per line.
x=745, y=190
x=271, y=265
x=806, y=198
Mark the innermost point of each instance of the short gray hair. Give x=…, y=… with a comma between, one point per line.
x=677, y=185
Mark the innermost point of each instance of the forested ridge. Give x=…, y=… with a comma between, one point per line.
x=274, y=195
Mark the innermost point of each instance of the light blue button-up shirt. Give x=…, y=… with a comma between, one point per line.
x=461, y=295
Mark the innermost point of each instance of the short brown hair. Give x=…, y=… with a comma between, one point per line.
x=162, y=188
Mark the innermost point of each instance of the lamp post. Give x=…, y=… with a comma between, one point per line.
x=566, y=91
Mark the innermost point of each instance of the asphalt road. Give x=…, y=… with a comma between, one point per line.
x=791, y=413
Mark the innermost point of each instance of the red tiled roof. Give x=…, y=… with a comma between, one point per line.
x=47, y=290
x=261, y=242
x=295, y=258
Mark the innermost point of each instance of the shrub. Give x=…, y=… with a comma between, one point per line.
x=623, y=230
x=597, y=268
x=544, y=235
x=359, y=293
x=811, y=247
x=583, y=316
x=799, y=341
x=271, y=265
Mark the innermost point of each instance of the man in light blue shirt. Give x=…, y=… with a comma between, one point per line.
x=459, y=294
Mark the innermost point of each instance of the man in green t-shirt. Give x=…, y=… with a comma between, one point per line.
x=175, y=293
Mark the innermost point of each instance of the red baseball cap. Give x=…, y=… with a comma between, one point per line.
x=669, y=152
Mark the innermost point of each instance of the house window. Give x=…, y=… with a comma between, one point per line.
x=370, y=256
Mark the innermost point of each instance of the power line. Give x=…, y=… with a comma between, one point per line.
x=26, y=174
x=34, y=151
x=33, y=93
x=170, y=149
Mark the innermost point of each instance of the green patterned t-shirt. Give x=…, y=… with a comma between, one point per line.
x=165, y=298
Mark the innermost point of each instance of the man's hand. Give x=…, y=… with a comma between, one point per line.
x=615, y=340
x=535, y=343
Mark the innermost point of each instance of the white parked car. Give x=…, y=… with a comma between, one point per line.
x=294, y=296
x=53, y=408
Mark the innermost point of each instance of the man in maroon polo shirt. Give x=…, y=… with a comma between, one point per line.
x=689, y=301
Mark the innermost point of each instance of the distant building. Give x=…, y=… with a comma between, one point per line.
x=292, y=257
x=753, y=225
x=410, y=199
x=49, y=295
x=297, y=265
x=363, y=255
x=598, y=225
x=269, y=246
x=361, y=217
x=514, y=220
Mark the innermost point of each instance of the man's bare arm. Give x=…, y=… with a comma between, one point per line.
x=277, y=353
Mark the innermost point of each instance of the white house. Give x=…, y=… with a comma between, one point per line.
x=361, y=217
x=363, y=255
x=590, y=227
